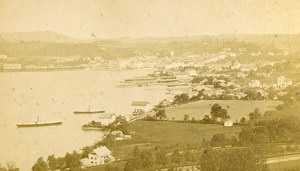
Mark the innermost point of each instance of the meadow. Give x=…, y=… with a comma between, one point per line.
x=284, y=165
x=235, y=108
x=148, y=134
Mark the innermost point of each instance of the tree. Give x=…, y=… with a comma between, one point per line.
x=218, y=112
x=181, y=99
x=109, y=140
x=161, y=114
x=255, y=115
x=2, y=168
x=11, y=166
x=73, y=160
x=161, y=156
x=234, y=141
x=218, y=140
x=232, y=159
x=52, y=162
x=147, y=159
x=206, y=119
x=60, y=163
x=136, y=151
x=186, y=117
x=40, y=165
x=189, y=156
x=176, y=158
x=86, y=150
x=243, y=121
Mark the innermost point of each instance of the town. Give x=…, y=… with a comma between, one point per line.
x=196, y=85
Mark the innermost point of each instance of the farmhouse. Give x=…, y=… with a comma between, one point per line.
x=192, y=72
x=282, y=83
x=235, y=65
x=107, y=118
x=140, y=106
x=254, y=84
x=100, y=155
x=228, y=123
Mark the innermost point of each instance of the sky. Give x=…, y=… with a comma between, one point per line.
x=150, y=18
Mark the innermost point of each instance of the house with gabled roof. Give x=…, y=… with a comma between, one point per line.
x=140, y=106
x=100, y=155
x=107, y=118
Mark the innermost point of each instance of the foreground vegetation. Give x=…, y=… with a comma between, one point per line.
x=204, y=144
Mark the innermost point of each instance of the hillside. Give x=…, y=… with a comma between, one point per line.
x=38, y=36
x=46, y=44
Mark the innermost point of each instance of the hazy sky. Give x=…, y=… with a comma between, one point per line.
x=145, y=18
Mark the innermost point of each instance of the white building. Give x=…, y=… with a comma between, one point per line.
x=12, y=66
x=107, y=118
x=235, y=65
x=254, y=84
x=248, y=67
x=140, y=106
x=228, y=123
x=100, y=155
x=282, y=83
x=192, y=72
x=182, y=76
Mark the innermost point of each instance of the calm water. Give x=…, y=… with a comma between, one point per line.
x=53, y=96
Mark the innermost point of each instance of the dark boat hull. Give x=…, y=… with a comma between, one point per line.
x=89, y=112
x=39, y=124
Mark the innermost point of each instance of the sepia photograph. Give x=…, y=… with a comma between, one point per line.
x=149, y=85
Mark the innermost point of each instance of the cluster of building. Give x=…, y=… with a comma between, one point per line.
x=102, y=155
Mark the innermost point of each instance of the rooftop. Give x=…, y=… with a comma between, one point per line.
x=139, y=103
x=106, y=115
x=101, y=151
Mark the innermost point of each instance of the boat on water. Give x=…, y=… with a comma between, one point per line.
x=88, y=128
x=89, y=111
x=178, y=85
x=38, y=124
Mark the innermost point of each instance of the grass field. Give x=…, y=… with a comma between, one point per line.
x=284, y=165
x=236, y=108
x=148, y=134
x=177, y=132
x=119, y=164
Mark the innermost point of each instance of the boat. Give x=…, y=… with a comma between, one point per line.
x=89, y=111
x=91, y=128
x=38, y=124
x=178, y=84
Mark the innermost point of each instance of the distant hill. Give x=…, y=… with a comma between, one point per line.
x=37, y=36
x=45, y=44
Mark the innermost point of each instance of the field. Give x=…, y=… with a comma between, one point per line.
x=236, y=108
x=148, y=134
x=284, y=165
x=165, y=132
x=119, y=164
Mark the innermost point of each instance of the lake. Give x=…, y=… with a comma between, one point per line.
x=53, y=96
